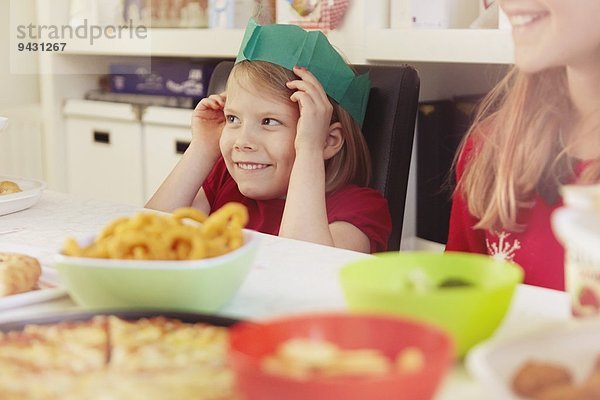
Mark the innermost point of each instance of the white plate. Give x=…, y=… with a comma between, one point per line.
x=31, y=193
x=574, y=344
x=49, y=283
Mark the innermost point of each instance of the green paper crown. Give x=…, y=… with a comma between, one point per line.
x=290, y=45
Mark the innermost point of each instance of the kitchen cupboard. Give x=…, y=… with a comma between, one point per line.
x=166, y=134
x=103, y=143
x=120, y=152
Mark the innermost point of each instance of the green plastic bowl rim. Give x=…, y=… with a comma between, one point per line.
x=514, y=276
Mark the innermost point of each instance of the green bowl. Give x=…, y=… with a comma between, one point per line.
x=195, y=285
x=409, y=284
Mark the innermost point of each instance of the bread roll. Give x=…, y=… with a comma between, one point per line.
x=18, y=273
x=8, y=187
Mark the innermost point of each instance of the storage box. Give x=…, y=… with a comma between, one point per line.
x=443, y=13
x=400, y=14
x=162, y=77
x=234, y=14
x=169, y=13
x=318, y=14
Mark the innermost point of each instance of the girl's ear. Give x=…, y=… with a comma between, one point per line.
x=334, y=140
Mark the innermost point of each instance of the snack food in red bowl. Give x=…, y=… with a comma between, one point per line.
x=339, y=356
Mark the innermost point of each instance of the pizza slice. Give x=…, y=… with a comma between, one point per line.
x=44, y=361
x=70, y=346
x=159, y=343
x=167, y=358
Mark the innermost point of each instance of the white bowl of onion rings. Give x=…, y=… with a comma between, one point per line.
x=116, y=276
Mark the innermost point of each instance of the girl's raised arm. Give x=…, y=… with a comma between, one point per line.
x=183, y=186
x=305, y=213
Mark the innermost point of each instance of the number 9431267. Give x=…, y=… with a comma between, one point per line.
x=41, y=46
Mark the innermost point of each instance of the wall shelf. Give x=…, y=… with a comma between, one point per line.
x=165, y=43
x=486, y=46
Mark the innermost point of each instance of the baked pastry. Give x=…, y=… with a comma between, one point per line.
x=8, y=187
x=591, y=386
x=566, y=391
x=534, y=377
x=18, y=273
x=111, y=358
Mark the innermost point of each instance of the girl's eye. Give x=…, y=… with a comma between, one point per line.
x=231, y=119
x=270, y=121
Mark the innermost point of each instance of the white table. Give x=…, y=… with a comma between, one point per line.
x=289, y=276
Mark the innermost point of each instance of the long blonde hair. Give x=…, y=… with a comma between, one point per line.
x=518, y=148
x=352, y=164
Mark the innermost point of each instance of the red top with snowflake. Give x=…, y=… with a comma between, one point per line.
x=536, y=249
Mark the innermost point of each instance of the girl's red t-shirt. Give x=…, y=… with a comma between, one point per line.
x=362, y=207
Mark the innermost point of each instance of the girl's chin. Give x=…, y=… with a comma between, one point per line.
x=255, y=193
x=530, y=63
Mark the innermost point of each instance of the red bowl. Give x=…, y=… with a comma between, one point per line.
x=250, y=342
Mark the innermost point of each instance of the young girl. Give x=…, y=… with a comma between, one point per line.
x=276, y=142
x=538, y=129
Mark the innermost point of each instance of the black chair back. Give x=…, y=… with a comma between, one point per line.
x=388, y=128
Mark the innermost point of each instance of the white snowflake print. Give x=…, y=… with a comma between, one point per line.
x=502, y=249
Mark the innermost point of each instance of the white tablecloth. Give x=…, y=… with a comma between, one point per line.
x=289, y=276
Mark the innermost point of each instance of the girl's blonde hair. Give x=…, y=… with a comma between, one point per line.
x=352, y=164
x=519, y=149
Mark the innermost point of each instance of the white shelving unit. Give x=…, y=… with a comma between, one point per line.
x=450, y=62
x=490, y=46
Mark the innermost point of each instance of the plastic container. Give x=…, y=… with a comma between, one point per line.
x=162, y=77
x=579, y=232
x=410, y=284
x=196, y=285
x=250, y=342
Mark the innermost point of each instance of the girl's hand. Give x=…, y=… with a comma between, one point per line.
x=208, y=120
x=315, y=111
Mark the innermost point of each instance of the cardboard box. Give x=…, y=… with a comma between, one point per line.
x=162, y=77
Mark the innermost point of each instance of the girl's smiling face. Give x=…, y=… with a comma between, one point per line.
x=554, y=33
x=257, y=142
